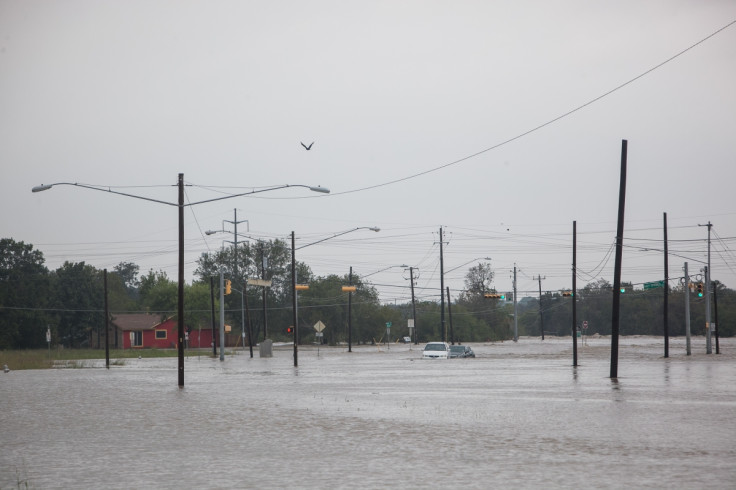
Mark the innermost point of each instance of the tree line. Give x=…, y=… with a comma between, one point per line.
x=70, y=302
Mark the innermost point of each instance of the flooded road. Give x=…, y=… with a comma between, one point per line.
x=517, y=416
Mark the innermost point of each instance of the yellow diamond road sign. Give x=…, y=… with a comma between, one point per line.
x=319, y=326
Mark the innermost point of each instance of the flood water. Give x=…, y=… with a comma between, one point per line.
x=517, y=416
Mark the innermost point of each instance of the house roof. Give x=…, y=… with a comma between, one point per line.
x=136, y=321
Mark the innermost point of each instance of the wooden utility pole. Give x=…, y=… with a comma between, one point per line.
x=615, y=313
x=574, y=294
x=541, y=310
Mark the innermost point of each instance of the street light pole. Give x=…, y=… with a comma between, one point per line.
x=293, y=279
x=180, y=204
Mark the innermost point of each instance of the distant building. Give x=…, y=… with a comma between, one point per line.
x=142, y=330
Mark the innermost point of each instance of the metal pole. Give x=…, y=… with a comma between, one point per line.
x=293, y=299
x=715, y=318
x=574, y=294
x=666, y=293
x=350, y=312
x=413, y=306
x=449, y=311
x=687, y=310
x=708, y=341
x=263, y=276
x=180, y=309
x=442, y=288
x=247, y=314
x=541, y=311
x=235, y=267
x=212, y=303
x=516, y=315
x=615, y=313
x=107, y=325
x=242, y=315
x=222, y=316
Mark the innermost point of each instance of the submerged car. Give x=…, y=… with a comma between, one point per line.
x=436, y=350
x=461, y=351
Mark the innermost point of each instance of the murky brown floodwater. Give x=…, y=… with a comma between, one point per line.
x=517, y=416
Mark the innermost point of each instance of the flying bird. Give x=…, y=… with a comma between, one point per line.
x=307, y=147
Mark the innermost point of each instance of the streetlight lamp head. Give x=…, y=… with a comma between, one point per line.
x=41, y=187
x=323, y=190
x=211, y=232
x=375, y=228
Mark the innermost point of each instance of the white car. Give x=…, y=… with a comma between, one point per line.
x=436, y=350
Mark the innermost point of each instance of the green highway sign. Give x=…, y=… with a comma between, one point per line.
x=653, y=285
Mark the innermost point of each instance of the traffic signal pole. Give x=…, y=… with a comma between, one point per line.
x=222, y=316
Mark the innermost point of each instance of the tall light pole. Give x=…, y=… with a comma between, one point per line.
x=180, y=205
x=293, y=279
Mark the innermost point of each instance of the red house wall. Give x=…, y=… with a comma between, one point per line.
x=170, y=342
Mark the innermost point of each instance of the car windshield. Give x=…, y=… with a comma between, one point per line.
x=435, y=347
x=457, y=348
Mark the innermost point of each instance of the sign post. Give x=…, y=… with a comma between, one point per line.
x=319, y=326
x=388, y=335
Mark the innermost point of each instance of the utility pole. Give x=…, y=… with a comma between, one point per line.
x=666, y=293
x=708, y=346
x=350, y=312
x=516, y=316
x=574, y=294
x=687, y=310
x=442, y=289
x=413, y=305
x=541, y=313
x=616, y=304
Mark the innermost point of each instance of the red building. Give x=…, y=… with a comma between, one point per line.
x=141, y=330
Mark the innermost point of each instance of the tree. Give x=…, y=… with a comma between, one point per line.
x=78, y=294
x=24, y=292
x=128, y=274
x=478, y=280
x=159, y=294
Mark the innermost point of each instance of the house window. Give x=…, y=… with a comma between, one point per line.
x=136, y=339
x=161, y=334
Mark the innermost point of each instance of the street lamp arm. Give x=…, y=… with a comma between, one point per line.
x=385, y=269
x=372, y=228
x=45, y=187
x=323, y=190
x=466, y=263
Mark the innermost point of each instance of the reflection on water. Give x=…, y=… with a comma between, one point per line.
x=519, y=415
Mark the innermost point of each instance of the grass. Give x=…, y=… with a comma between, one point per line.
x=75, y=358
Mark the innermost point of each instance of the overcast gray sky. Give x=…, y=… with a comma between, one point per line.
x=133, y=93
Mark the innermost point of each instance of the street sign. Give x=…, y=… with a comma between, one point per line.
x=266, y=283
x=585, y=324
x=653, y=285
x=319, y=326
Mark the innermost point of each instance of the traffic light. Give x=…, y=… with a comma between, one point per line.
x=567, y=293
x=623, y=290
x=700, y=289
x=289, y=330
x=228, y=286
